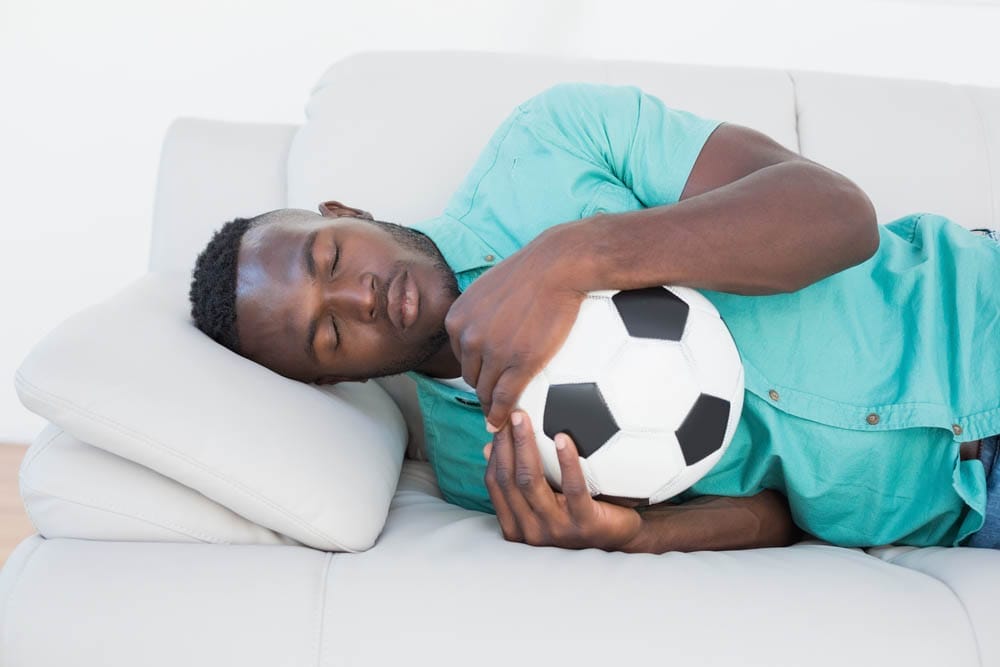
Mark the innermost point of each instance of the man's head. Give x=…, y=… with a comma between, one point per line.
x=318, y=297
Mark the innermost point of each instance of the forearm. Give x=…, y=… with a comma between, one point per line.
x=775, y=230
x=717, y=522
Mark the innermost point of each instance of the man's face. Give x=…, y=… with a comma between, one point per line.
x=353, y=308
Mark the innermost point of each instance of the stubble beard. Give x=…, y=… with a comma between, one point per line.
x=420, y=243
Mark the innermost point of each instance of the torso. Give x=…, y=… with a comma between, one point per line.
x=969, y=450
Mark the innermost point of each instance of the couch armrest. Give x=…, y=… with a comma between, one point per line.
x=210, y=172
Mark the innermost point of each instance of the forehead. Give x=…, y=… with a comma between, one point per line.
x=270, y=276
x=273, y=252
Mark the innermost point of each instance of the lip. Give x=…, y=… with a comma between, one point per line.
x=411, y=301
x=393, y=307
x=404, y=300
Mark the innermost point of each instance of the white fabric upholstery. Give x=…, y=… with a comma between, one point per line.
x=118, y=499
x=132, y=375
x=211, y=172
x=911, y=145
x=440, y=585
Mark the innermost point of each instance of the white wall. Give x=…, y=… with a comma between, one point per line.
x=88, y=89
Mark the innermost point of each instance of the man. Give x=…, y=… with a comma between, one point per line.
x=871, y=353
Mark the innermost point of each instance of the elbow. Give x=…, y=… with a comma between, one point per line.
x=855, y=219
x=852, y=232
x=864, y=222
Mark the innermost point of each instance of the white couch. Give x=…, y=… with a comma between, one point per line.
x=157, y=549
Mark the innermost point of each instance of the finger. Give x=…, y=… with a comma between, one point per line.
x=467, y=354
x=508, y=481
x=529, y=473
x=505, y=515
x=574, y=484
x=489, y=372
x=471, y=364
x=506, y=392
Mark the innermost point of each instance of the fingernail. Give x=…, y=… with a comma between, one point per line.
x=490, y=427
x=516, y=419
x=560, y=441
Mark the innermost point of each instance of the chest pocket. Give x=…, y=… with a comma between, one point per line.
x=611, y=198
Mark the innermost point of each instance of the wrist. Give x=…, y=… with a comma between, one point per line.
x=576, y=249
x=641, y=542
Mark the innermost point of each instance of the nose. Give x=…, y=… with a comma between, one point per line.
x=356, y=299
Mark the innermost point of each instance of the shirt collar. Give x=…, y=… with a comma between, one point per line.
x=462, y=248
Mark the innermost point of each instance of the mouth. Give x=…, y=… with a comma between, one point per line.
x=404, y=301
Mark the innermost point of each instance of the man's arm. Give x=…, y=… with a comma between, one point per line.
x=754, y=218
x=717, y=522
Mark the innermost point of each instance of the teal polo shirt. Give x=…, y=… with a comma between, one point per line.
x=858, y=388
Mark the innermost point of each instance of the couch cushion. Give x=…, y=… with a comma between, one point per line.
x=71, y=489
x=910, y=145
x=132, y=375
x=442, y=584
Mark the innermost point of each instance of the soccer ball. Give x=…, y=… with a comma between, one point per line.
x=649, y=385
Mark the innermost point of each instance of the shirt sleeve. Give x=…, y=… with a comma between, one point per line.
x=647, y=146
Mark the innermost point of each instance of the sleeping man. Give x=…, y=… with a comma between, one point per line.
x=871, y=352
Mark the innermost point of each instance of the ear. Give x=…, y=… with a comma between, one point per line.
x=334, y=209
x=336, y=379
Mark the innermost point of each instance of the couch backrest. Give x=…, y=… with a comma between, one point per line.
x=394, y=133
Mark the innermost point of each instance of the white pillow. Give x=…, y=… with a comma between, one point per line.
x=134, y=376
x=71, y=489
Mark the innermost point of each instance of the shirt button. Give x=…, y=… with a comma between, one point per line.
x=872, y=419
x=773, y=394
x=489, y=258
x=956, y=429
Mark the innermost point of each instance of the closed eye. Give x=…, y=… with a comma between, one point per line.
x=333, y=266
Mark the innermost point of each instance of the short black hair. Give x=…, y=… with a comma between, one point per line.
x=213, y=283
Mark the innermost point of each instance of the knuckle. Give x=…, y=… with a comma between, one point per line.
x=562, y=536
x=511, y=533
x=503, y=477
x=517, y=357
x=502, y=396
x=535, y=539
x=471, y=340
x=524, y=479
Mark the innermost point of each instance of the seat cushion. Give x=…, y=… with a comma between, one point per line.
x=134, y=376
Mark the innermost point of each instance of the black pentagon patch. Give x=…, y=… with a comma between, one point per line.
x=652, y=312
x=581, y=411
x=624, y=501
x=703, y=428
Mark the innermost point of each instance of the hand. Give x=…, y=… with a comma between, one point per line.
x=507, y=325
x=530, y=511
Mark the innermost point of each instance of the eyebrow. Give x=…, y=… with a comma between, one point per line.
x=307, y=258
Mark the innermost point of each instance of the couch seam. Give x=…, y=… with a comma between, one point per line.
x=322, y=609
x=10, y=606
x=172, y=527
x=961, y=602
x=69, y=405
x=795, y=109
